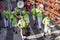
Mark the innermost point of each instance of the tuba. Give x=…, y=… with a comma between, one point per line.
x=20, y=4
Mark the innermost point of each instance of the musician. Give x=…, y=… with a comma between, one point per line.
x=14, y=21
x=46, y=22
x=26, y=17
x=39, y=17
x=6, y=16
x=22, y=25
x=33, y=11
x=27, y=6
x=41, y=6
x=17, y=10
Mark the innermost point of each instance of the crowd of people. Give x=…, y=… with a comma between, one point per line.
x=19, y=18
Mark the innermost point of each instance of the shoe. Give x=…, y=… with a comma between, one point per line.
x=16, y=32
x=24, y=37
x=39, y=28
x=45, y=36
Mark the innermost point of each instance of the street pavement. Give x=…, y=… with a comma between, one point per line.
x=8, y=34
x=35, y=33
x=3, y=34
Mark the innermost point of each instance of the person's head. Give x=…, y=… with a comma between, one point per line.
x=14, y=13
x=22, y=17
x=48, y=16
x=33, y=2
x=24, y=12
x=34, y=6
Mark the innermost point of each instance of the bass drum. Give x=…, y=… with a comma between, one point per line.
x=20, y=4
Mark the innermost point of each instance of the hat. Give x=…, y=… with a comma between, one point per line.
x=13, y=12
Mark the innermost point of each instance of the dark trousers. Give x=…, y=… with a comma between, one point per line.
x=25, y=31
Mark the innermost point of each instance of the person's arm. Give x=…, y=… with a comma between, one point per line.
x=18, y=24
x=16, y=16
x=43, y=21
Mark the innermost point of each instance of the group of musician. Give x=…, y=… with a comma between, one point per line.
x=20, y=18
